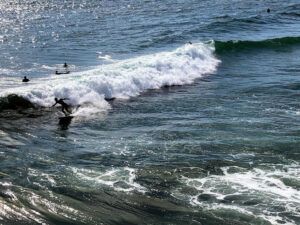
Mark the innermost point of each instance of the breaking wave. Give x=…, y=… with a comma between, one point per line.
x=120, y=79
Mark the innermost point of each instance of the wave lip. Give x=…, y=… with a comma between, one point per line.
x=223, y=46
x=121, y=79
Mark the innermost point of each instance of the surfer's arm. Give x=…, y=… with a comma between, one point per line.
x=54, y=104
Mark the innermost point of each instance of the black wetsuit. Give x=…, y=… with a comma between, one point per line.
x=65, y=108
x=25, y=79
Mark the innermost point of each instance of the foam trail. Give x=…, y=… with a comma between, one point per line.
x=121, y=79
x=254, y=192
x=120, y=179
x=104, y=57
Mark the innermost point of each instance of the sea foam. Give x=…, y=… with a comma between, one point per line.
x=255, y=192
x=120, y=79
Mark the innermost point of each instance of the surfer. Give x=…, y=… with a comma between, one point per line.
x=65, y=107
x=25, y=79
x=66, y=68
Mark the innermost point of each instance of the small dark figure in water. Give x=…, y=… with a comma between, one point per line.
x=65, y=71
x=65, y=66
x=25, y=79
x=190, y=42
x=268, y=10
x=65, y=107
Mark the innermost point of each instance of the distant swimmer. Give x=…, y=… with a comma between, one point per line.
x=25, y=79
x=268, y=10
x=65, y=107
x=190, y=42
x=66, y=67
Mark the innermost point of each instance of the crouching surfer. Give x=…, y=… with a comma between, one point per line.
x=64, y=106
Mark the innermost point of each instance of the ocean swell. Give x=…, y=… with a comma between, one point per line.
x=120, y=79
x=236, y=45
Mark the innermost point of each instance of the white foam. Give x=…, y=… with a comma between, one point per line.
x=121, y=79
x=5, y=139
x=120, y=179
x=104, y=57
x=44, y=179
x=265, y=184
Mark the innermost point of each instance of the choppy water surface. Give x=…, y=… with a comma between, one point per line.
x=201, y=133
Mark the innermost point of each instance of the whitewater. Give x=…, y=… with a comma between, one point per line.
x=120, y=79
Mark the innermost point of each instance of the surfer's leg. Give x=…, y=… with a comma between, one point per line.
x=64, y=111
x=68, y=110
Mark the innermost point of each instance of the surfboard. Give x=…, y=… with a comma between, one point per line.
x=59, y=73
x=65, y=119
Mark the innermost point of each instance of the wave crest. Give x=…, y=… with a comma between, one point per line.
x=122, y=79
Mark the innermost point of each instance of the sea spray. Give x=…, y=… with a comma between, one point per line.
x=121, y=79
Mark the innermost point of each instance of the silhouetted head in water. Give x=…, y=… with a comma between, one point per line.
x=268, y=10
x=25, y=79
x=65, y=65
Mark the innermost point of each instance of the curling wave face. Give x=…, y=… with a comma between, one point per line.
x=120, y=79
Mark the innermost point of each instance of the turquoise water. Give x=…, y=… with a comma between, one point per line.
x=200, y=133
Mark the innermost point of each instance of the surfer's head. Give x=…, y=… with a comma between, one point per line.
x=56, y=99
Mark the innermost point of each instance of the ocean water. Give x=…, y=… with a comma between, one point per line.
x=185, y=112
